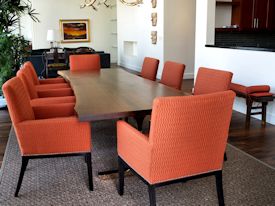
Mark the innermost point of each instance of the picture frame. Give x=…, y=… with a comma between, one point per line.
x=75, y=30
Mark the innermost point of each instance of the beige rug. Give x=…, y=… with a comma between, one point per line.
x=63, y=181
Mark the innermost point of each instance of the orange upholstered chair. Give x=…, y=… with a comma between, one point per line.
x=149, y=68
x=43, y=83
x=61, y=134
x=212, y=80
x=85, y=62
x=34, y=97
x=184, y=142
x=172, y=74
x=42, y=93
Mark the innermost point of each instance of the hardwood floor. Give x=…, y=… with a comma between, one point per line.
x=5, y=126
x=256, y=140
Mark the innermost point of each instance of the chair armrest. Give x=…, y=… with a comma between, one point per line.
x=52, y=81
x=53, y=136
x=56, y=93
x=43, y=87
x=54, y=110
x=134, y=148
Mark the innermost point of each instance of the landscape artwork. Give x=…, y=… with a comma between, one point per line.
x=74, y=31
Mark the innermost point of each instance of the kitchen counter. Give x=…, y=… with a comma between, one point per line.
x=243, y=48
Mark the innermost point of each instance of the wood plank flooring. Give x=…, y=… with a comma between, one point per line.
x=5, y=126
x=257, y=141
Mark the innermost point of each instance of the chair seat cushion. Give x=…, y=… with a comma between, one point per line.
x=258, y=88
x=261, y=94
x=241, y=89
x=238, y=88
x=52, y=100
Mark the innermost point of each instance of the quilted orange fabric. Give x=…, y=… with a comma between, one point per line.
x=63, y=92
x=261, y=94
x=212, y=80
x=257, y=90
x=172, y=74
x=52, y=100
x=18, y=101
x=45, y=136
x=41, y=93
x=53, y=136
x=238, y=88
x=85, y=62
x=52, y=81
x=51, y=86
x=31, y=71
x=187, y=137
x=150, y=68
x=54, y=110
x=28, y=84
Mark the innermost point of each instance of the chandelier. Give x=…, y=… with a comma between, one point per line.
x=96, y=3
x=132, y=3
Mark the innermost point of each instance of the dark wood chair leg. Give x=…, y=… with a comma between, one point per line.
x=152, y=195
x=121, y=170
x=219, y=187
x=249, y=104
x=139, y=117
x=88, y=158
x=225, y=157
x=264, y=105
x=24, y=164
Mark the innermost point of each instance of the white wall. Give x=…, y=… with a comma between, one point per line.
x=176, y=28
x=134, y=25
x=51, y=11
x=179, y=33
x=248, y=67
x=223, y=15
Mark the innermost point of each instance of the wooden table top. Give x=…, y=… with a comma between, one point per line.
x=113, y=93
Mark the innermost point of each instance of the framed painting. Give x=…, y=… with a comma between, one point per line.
x=73, y=31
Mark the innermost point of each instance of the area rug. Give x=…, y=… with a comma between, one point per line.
x=63, y=181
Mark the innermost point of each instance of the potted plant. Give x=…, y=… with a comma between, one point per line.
x=13, y=46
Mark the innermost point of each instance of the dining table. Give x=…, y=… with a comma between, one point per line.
x=114, y=93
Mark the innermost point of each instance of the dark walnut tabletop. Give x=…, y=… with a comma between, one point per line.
x=113, y=93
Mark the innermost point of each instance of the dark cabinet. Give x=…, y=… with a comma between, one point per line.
x=260, y=15
x=253, y=14
x=271, y=15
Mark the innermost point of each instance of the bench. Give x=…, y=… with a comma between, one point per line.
x=259, y=93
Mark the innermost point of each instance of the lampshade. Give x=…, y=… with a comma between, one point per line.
x=52, y=35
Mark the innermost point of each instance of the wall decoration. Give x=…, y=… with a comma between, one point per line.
x=154, y=4
x=154, y=37
x=154, y=18
x=131, y=2
x=73, y=31
x=94, y=4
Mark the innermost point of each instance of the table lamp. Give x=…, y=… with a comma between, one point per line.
x=51, y=37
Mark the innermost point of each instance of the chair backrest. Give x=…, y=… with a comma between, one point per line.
x=150, y=68
x=212, y=80
x=172, y=74
x=189, y=134
x=18, y=101
x=31, y=72
x=85, y=62
x=29, y=86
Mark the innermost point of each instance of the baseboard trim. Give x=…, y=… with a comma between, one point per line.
x=188, y=76
x=138, y=69
x=130, y=66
